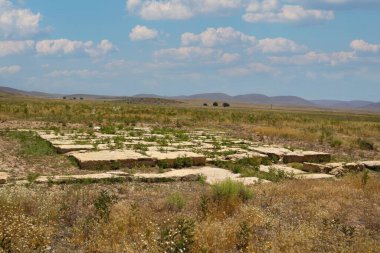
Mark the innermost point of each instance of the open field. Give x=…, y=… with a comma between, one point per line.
x=157, y=176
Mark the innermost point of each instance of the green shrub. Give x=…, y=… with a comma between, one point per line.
x=365, y=144
x=335, y=143
x=183, y=162
x=32, y=177
x=178, y=237
x=103, y=204
x=242, y=237
x=163, y=164
x=175, y=202
x=229, y=190
x=109, y=129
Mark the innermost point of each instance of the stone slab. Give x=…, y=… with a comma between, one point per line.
x=372, y=165
x=65, y=148
x=111, y=159
x=313, y=167
x=3, y=177
x=286, y=169
x=73, y=178
x=240, y=156
x=306, y=156
x=314, y=176
x=213, y=175
x=272, y=152
x=171, y=156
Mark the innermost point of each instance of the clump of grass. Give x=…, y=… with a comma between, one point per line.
x=183, y=162
x=103, y=204
x=108, y=129
x=365, y=144
x=298, y=166
x=336, y=143
x=229, y=190
x=163, y=164
x=32, y=177
x=31, y=144
x=175, y=201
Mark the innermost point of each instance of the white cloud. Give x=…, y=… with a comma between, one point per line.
x=216, y=36
x=102, y=49
x=207, y=6
x=132, y=4
x=179, y=9
x=10, y=47
x=65, y=46
x=187, y=53
x=18, y=22
x=155, y=10
x=278, y=45
x=82, y=73
x=333, y=59
x=229, y=58
x=271, y=11
x=340, y=4
x=10, y=70
x=249, y=69
x=363, y=46
x=142, y=33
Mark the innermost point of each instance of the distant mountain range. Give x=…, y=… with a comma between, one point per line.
x=220, y=97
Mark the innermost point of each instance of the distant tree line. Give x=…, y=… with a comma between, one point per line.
x=72, y=98
x=216, y=104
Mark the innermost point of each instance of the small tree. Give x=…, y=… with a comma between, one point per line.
x=64, y=97
x=226, y=105
x=205, y=104
x=215, y=104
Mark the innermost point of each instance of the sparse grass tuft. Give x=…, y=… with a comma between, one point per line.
x=175, y=201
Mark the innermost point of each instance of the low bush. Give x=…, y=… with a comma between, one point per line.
x=229, y=190
x=175, y=202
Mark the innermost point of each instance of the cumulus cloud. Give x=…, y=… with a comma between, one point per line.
x=18, y=22
x=284, y=11
x=213, y=37
x=187, y=53
x=10, y=70
x=216, y=36
x=340, y=4
x=279, y=45
x=82, y=73
x=272, y=11
x=363, y=46
x=229, y=58
x=65, y=46
x=11, y=47
x=155, y=10
x=333, y=58
x=132, y=4
x=178, y=9
x=142, y=33
x=249, y=69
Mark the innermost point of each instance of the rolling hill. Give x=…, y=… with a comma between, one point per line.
x=220, y=97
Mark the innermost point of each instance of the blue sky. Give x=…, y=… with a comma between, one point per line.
x=314, y=49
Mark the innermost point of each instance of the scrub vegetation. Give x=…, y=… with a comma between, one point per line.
x=288, y=215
